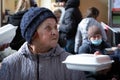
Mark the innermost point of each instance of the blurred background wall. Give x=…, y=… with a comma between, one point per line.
x=102, y=5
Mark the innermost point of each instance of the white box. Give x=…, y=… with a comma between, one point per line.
x=7, y=33
x=88, y=62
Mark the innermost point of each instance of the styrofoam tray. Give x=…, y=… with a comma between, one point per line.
x=86, y=65
x=7, y=33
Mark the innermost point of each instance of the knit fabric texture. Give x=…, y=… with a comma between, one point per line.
x=32, y=19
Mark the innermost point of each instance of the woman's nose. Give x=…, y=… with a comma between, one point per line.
x=96, y=38
x=54, y=32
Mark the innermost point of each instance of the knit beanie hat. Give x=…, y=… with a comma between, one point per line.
x=93, y=30
x=32, y=19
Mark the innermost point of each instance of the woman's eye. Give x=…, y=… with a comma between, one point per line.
x=48, y=28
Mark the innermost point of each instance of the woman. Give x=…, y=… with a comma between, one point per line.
x=91, y=19
x=40, y=57
x=94, y=43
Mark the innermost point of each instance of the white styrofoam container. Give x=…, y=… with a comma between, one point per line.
x=7, y=33
x=88, y=62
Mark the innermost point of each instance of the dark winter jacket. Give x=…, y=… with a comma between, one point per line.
x=69, y=24
x=88, y=47
x=71, y=18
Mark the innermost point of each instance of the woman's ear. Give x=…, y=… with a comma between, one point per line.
x=35, y=36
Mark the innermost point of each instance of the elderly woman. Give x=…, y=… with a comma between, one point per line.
x=40, y=57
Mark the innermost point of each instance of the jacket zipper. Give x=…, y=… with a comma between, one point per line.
x=37, y=67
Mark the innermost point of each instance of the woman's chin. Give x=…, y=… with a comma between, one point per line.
x=54, y=44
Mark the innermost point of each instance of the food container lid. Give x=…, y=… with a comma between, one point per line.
x=88, y=59
x=7, y=33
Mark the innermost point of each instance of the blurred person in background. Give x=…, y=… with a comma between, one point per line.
x=57, y=12
x=25, y=4
x=61, y=5
x=15, y=19
x=69, y=24
x=94, y=41
x=91, y=19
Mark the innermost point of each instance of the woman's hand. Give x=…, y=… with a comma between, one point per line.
x=97, y=53
x=118, y=46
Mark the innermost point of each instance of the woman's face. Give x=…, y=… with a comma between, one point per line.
x=96, y=37
x=57, y=14
x=48, y=33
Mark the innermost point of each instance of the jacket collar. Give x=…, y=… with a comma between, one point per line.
x=24, y=50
